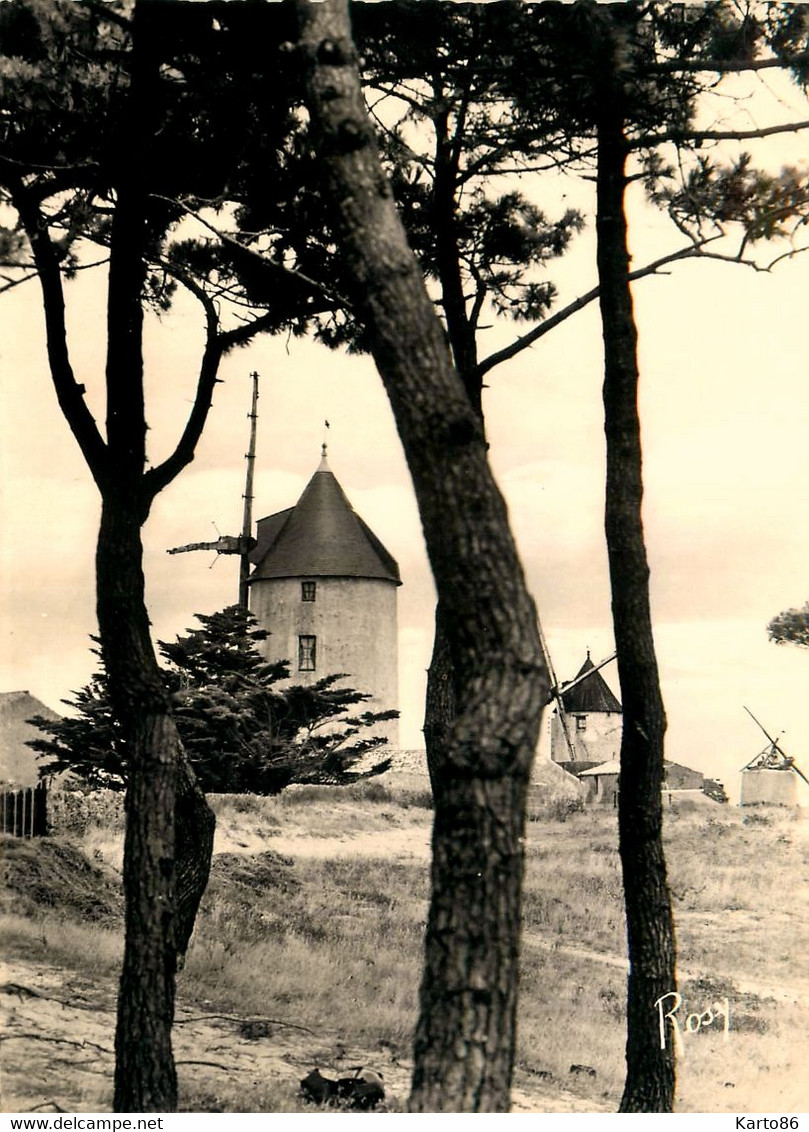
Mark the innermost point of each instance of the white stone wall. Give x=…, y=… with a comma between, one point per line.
x=354, y=621
x=599, y=742
x=777, y=787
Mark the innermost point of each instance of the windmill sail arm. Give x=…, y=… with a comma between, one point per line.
x=760, y=724
x=798, y=770
x=555, y=694
x=225, y=544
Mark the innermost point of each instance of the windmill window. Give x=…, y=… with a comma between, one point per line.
x=307, y=654
x=581, y=722
x=308, y=591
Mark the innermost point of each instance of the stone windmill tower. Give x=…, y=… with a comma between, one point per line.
x=586, y=726
x=324, y=587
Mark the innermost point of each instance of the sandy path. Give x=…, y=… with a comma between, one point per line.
x=782, y=992
x=58, y=1040
x=399, y=843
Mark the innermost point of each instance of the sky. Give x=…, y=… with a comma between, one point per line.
x=724, y=406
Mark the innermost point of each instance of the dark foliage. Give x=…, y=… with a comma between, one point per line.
x=242, y=731
x=791, y=627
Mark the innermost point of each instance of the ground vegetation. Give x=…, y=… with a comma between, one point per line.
x=308, y=950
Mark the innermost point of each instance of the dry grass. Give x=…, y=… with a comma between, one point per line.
x=334, y=942
x=335, y=945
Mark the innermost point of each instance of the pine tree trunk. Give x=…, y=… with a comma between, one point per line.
x=145, y=1077
x=466, y=1033
x=649, y=1083
x=465, y=1037
x=169, y=825
x=169, y=828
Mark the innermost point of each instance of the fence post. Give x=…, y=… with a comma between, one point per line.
x=40, y=827
x=23, y=812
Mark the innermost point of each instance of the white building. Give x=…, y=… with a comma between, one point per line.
x=325, y=587
x=591, y=730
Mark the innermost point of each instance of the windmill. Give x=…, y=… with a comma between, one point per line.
x=557, y=691
x=238, y=544
x=773, y=757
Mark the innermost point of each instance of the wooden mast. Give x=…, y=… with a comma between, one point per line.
x=556, y=694
x=247, y=519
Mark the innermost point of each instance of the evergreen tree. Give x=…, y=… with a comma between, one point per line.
x=242, y=732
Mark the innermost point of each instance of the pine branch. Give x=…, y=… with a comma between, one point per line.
x=579, y=304
x=242, y=249
x=69, y=393
x=10, y=284
x=157, y=478
x=724, y=67
x=650, y=140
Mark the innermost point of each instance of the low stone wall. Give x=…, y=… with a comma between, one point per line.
x=74, y=811
x=405, y=762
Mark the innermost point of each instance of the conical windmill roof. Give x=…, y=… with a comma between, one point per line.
x=591, y=693
x=321, y=536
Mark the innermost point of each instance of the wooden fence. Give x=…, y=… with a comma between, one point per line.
x=23, y=813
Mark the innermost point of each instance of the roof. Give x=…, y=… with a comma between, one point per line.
x=18, y=762
x=592, y=693
x=611, y=767
x=321, y=536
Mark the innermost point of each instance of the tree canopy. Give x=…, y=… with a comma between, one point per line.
x=791, y=627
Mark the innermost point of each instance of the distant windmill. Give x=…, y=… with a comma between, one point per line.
x=557, y=691
x=773, y=757
x=238, y=544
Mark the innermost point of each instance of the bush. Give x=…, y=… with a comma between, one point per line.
x=558, y=809
x=416, y=799
x=50, y=874
x=374, y=792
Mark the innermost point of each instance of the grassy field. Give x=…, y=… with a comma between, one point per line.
x=309, y=923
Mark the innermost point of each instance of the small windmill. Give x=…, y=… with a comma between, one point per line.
x=557, y=691
x=773, y=757
x=238, y=544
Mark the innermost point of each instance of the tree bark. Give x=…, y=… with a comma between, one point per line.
x=145, y=1077
x=440, y=706
x=649, y=1085
x=169, y=826
x=465, y=1037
